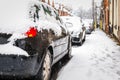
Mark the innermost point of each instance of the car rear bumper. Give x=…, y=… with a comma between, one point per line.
x=11, y=65
x=88, y=31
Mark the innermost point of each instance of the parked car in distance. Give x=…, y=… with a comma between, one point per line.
x=32, y=39
x=87, y=23
x=74, y=25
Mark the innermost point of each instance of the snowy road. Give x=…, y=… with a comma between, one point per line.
x=97, y=59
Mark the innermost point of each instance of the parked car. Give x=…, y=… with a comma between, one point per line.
x=74, y=25
x=87, y=23
x=32, y=39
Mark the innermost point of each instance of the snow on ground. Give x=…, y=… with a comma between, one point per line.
x=97, y=59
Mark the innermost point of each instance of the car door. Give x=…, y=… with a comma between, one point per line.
x=61, y=44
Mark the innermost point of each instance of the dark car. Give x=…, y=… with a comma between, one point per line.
x=32, y=39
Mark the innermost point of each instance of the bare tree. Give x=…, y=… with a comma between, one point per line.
x=82, y=13
x=89, y=13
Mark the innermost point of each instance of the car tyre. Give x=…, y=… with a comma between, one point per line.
x=81, y=42
x=45, y=71
x=68, y=55
x=84, y=38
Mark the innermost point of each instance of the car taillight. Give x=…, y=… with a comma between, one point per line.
x=32, y=32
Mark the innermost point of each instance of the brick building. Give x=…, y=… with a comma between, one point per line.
x=111, y=14
x=62, y=10
x=105, y=15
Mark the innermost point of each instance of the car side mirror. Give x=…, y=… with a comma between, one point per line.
x=83, y=28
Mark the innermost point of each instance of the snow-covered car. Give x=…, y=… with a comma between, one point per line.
x=32, y=39
x=87, y=23
x=74, y=25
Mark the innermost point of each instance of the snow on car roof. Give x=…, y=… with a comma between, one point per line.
x=14, y=20
x=14, y=17
x=13, y=14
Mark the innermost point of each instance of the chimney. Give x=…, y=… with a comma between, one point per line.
x=49, y=2
x=43, y=0
x=53, y=3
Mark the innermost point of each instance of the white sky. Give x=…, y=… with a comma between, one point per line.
x=86, y=4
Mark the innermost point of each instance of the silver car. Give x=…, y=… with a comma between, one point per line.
x=74, y=25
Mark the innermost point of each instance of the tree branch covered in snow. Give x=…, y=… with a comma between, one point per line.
x=82, y=13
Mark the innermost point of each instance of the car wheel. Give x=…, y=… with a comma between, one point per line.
x=68, y=55
x=84, y=38
x=81, y=43
x=45, y=70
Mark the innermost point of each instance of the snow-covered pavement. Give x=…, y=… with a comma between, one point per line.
x=97, y=59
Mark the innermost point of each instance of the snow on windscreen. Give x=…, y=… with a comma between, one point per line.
x=13, y=15
x=77, y=25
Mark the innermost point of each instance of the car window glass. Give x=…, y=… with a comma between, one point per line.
x=46, y=10
x=57, y=16
x=34, y=11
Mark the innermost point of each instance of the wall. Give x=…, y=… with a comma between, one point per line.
x=119, y=20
